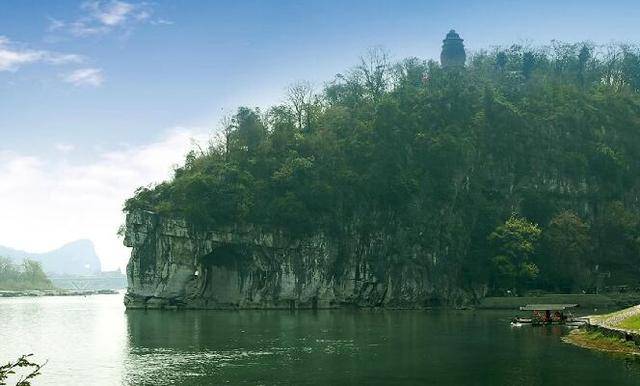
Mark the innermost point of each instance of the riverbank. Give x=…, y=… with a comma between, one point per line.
x=617, y=332
x=55, y=292
x=589, y=301
x=626, y=320
x=597, y=340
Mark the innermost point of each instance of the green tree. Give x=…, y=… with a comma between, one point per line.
x=25, y=276
x=514, y=244
x=528, y=64
x=567, y=250
x=617, y=231
x=501, y=61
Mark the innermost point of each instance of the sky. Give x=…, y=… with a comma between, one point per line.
x=100, y=97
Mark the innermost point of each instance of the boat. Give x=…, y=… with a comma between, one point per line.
x=543, y=314
x=576, y=322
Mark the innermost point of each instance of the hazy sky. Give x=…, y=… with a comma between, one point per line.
x=99, y=97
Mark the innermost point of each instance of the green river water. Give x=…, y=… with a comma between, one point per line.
x=94, y=341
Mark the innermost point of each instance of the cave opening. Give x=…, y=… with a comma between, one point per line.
x=224, y=256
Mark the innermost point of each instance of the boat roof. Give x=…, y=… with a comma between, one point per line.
x=547, y=307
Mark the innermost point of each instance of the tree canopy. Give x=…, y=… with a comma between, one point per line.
x=24, y=276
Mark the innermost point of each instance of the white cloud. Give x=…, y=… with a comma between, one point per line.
x=55, y=24
x=64, y=147
x=47, y=202
x=110, y=13
x=13, y=56
x=85, y=77
x=78, y=28
x=56, y=58
x=100, y=17
x=162, y=22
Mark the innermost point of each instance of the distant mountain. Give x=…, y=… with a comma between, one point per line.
x=76, y=258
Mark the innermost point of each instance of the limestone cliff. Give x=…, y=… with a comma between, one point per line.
x=175, y=266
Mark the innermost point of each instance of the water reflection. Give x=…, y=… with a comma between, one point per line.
x=82, y=338
x=324, y=347
x=239, y=347
x=94, y=341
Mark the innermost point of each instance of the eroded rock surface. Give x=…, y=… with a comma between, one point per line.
x=175, y=266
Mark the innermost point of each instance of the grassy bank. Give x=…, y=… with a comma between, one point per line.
x=605, y=300
x=631, y=323
x=614, y=332
x=627, y=319
x=596, y=340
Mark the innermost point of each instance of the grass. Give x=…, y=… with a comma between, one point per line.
x=597, y=341
x=627, y=319
x=630, y=323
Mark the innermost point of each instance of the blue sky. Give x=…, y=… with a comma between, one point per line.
x=86, y=87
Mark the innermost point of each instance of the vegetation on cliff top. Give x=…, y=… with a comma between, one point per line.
x=519, y=170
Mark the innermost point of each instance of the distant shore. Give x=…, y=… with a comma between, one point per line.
x=54, y=292
x=608, y=300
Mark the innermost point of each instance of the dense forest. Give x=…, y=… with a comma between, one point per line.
x=518, y=171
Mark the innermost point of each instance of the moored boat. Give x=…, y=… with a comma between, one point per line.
x=548, y=314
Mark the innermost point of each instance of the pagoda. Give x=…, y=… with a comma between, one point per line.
x=453, y=54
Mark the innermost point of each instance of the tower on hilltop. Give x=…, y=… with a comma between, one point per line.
x=453, y=54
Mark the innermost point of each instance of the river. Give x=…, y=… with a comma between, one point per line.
x=93, y=341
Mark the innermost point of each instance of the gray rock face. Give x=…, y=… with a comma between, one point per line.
x=175, y=266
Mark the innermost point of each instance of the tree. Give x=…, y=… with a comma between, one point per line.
x=617, y=234
x=300, y=96
x=528, y=64
x=501, y=61
x=28, y=275
x=583, y=59
x=567, y=249
x=32, y=272
x=248, y=131
x=514, y=245
x=24, y=362
x=374, y=68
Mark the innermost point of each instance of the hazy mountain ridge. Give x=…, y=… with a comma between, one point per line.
x=75, y=258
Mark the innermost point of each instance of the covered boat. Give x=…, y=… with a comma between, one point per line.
x=547, y=313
